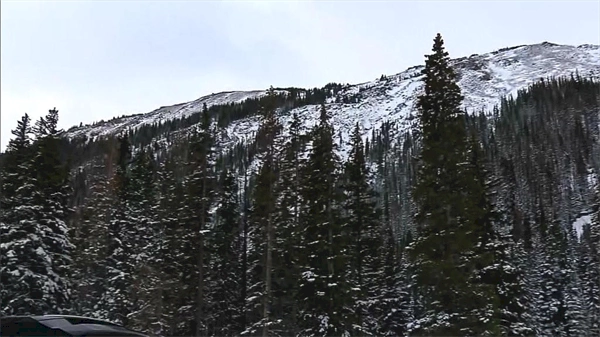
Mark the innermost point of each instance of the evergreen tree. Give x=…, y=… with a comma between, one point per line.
x=590, y=270
x=52, y=182
x=262, y=226
x=199, y=185
x=365, y=232
x=287, y=213
x=146, y=291
x=224, y=283
x=90, y=240
x=443, y=252
x=495, y=255
x=23, y=270
x=326, y=307
x=15, y=166
x=36, y=250
x=168, y=248
x=119, y=264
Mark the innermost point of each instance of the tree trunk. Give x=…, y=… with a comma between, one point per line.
x=244, y=227
x=269, y=257
x=268, y=267
x=200, y=266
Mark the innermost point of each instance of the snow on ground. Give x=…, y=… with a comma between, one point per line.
x=580, y=222
x=166, y=113
x=484, y=79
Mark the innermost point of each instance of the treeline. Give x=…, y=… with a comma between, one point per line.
x=223, y=114
x=35, y=248
x=459, y=227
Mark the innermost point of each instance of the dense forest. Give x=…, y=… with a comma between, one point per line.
x=462, y=225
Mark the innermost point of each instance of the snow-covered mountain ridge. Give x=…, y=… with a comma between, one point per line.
x=484, y=79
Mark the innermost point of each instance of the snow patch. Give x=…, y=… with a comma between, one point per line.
x=483, y=79
x=580, y=222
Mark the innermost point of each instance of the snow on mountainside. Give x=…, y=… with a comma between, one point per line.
x=484, y=79
x=580, y=223
x=164, y=113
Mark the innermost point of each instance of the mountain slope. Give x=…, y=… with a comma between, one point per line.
x=483, y=78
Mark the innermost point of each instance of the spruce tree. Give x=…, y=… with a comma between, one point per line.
x=52, y=200
x=594, y=241
x=365, y=240
x=35, y=246
x=224, y=280
x=590, y=270
x=326, y=307
x=22, y=268
x=287, y=213
x=442, y=254
x=200, y=187
x=495, y=256
x=90, y=240
x=146, y=291
x=262, y=226
x=168, y=247
x=119, y=263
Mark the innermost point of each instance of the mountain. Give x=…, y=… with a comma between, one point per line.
x=484, y=79
x=176, y=226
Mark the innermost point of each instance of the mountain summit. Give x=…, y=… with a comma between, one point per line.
x=484, y=79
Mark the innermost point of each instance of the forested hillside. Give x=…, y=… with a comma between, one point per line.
x=441, y=223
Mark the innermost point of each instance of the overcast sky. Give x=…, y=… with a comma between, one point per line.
x=96, y=60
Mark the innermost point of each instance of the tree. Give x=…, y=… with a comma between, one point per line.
x=200, y=187
x=15, y=166
x=224, y=283
x=22, y=271
x=495, y=254
x=90, y=240
x=365, y=236
x=442, y=254
x=52, y=184
x=287, y=217
x=146, y=290
x=324, y=296
x=168, y=246
x=35, y=249
x=590, y=269
x=119, y=263
x=262, y=225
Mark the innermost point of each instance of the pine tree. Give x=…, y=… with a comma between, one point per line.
x=553, y=276
x=323, y=294
x=168, y=248
x=146, y=291
x=90, y=240
x=52, y=185
x=366, y=234
x=36, y=250
x=442, y=254
x=287, y=218
x=224, y=282
x=262, y=226
x=15, y=166
x=594, y=297
x=590, y=270
x=199, y=186
x=495, y=254
x=119, y=264
x=27, y=289
x=22, y=270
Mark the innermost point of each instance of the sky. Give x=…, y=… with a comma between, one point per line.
x=95, y=60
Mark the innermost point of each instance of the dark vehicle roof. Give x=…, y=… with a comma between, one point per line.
x=61, y=325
